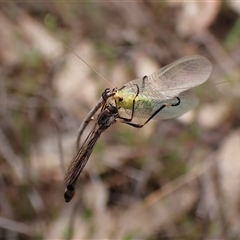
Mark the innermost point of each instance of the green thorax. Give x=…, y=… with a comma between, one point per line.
x=124, y=98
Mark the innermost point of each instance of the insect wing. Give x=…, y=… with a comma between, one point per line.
x=79, y=161
x=171, y=80
x=187, y=103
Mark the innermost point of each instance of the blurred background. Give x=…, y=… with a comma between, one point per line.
x=171, y=179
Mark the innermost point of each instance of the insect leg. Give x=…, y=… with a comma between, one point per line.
x=136, y=125
x=144, y=81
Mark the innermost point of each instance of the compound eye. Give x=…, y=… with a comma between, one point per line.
x=120, y=99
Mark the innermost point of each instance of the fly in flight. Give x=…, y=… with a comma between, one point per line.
x=152, y=97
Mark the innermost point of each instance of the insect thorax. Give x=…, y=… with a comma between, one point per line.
x=124, y=99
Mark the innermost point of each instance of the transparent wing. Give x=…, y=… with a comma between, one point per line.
x=173, y=79
x=187, y=103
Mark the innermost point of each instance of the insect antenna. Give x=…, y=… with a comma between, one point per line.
x=94, y=70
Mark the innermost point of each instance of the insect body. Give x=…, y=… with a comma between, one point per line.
x=153, y=97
